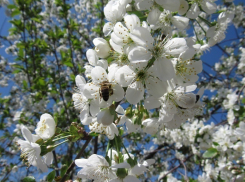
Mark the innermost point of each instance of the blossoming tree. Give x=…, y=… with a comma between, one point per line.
x=118, y=90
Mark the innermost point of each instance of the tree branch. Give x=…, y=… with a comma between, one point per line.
x=78, y=156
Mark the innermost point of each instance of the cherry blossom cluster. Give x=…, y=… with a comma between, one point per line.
x=141, y=62
x=146, y=62
x=30, y=149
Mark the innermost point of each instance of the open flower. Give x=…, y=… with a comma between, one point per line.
x=46, y=126
x=95, y=168
x=135, y=76
x=114, y=12
x=102, y=47
x=31, y=150
x=110, y=130
x=102, y=89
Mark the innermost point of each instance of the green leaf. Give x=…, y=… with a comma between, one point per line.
x=15, y=13
x=73, y=130
x=51, y=176
x=68, y=63
x=215, y=143
x=243, y=100
x=25, y=85
x=93, y=134
x=63, y=170
x=41, y=82
x=210, y=153
x=39, y=141
x=28, y=179
x=11, y=6
x=58, y=130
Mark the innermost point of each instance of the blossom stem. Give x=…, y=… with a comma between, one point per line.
x=107, y=148
x=60, y=143
x=126, y=151
x=61, y=138
x=201, y=28
x=205, y=21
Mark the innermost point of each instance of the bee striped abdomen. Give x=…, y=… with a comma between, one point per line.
x=105, y=93
x=105, y=90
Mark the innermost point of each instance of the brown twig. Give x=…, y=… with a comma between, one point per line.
x=176, y=167
x=55, y=162
x=78, y=156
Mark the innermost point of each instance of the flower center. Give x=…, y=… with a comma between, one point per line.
x=43, y=127
x=141, y=75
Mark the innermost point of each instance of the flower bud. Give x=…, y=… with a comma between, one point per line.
x=101, y=47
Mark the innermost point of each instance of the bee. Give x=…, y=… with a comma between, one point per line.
x=105, y=90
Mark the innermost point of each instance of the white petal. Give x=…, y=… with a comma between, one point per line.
x=180, y=22
x=149, y=162
x=112, y=71
x=139, y=54
x=188, y=54
x=48, y=158
x=187, y=100
x=85, y=118
x=26, y=133
x=92, y=57
x=98, y=74
x=156, y=87
x=113, y=129
x=80, y=82
x=193, y=12
x=123, y=120
x=120, y=109
x=116, y=40
x=118, y=93
x=107, y=28
x=102, y=63
x=121, y=165
x=94, y=108
x=175, y=46
x=146, y=26
x=172, y=5
x=135, y=92
x=209, y=7
x=98, y=159
x=138, y=169
x=183, y=7
x=164, y=69
x=104, y=117
x=102, y=47
x=130, y=178
x=153, y=16
x=82, y=162
x=117, y=47
x=130, y=126
x=120, y=31
x=144, y=5
x=151, y=125
x=142, y=37
x=132, y=21
x=124, y=76
x=41, y=165
x=116, y=180
x=115, y=10
x=35, y=137
x=152, y=102
x=91, y=90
